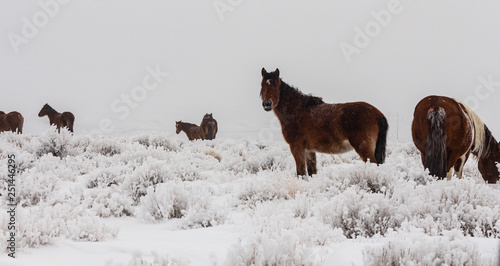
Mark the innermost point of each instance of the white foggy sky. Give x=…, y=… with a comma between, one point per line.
x=92, y=52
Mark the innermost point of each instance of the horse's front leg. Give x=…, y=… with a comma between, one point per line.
x=311, y=163
x=299, y=154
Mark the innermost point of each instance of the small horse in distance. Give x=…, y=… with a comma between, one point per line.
x=446, y=131
x=192, y=131
x=65, y=119
x=310, y=125
x=209, y=126
x=12, y=121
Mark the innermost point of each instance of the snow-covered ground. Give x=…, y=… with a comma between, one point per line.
x=153, y=199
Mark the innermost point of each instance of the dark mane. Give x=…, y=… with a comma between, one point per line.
x=307, y=100
x=50, y=109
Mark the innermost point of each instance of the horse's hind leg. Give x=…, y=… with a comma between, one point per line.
x=311, y=163
x=459, y=166
x=364, y=148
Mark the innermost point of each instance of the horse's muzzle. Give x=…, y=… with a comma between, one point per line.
x=268, y=105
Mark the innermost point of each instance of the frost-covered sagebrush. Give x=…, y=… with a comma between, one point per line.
x=72, y=186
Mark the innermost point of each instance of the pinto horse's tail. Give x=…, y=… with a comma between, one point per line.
x=435, y=154
x=383, y=126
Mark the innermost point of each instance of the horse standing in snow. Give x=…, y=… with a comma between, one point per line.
x=446, y=131
x=192, y=131
x=209, y=127
x=12, y=121
x=310, y=125
x=65, y=119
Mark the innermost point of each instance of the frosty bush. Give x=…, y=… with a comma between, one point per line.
x=138, y=259
x=38, y=225
x=446, y=205
x=164, y=201
x=106, y=147
x=359, y=213
x=281, y=240
x=107, y=177
x=156, y=141
x=33, y=187
x=303, y=205
x=106, y=202
x=201, y=214
x=261, y=190
x=367, y=176
x=52, y=142
x=420, y=249
x=263, y=250
x=175, y=200
x=151, y=173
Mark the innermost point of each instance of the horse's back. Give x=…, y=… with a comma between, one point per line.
x=340, y=127
x=454, y=120
x=12, y=121
x=348, y=117
x=17, y=121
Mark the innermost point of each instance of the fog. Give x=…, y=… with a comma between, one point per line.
x=138, y=66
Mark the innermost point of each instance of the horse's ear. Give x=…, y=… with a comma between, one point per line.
x=264, y=72
x=277, y=73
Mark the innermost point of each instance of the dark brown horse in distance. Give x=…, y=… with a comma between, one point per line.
x=310, y=125
x=192, y=131
x=209, y=127
x=446, y=131
x=12, y=121
x=65, y=119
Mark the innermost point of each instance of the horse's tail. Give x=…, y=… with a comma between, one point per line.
x=383, y=127
x=435, y=154
x=20, y=124
x=211, y=130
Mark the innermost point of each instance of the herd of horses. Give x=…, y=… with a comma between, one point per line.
x=207, y=130
x=444, y=130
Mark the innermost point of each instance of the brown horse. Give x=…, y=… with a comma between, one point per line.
x=310, y=125
x=192, y=131
x=209, y=127
x=65, y=119
x=12, y=121
x=446, y=131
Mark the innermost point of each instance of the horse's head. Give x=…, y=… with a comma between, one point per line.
x=270, y=89
x=44, y=110
x=178, y=127
x=208, y=116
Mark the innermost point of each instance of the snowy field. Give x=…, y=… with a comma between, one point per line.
x=153, y=199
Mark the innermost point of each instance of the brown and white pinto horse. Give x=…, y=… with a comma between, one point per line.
x=209, y=126
x=310, y=125
x=12, y=121
x=65, y=119
x=192, y=131
x=446, y=131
